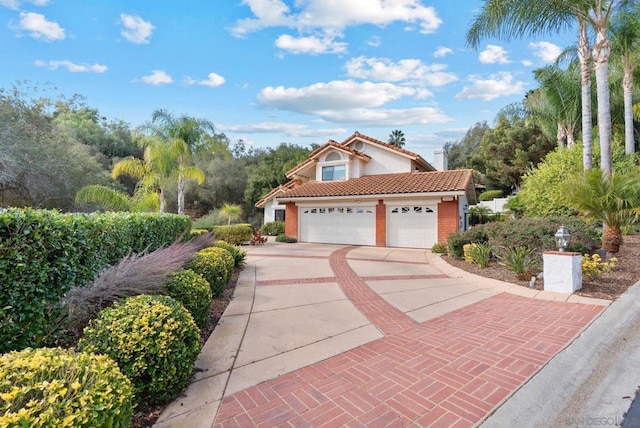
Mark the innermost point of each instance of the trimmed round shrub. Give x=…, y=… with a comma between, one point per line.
x=153, y=339
x=193, y=291
x=238, y=254
x=273, y=228
x=215, y=265
x=58, y=387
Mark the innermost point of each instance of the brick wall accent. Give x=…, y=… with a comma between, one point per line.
x=381, y=224
x=447, y=219
x=291, y=220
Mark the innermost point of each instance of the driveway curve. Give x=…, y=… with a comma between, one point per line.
x=327, y=335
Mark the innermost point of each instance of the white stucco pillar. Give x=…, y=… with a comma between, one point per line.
x=562, y=271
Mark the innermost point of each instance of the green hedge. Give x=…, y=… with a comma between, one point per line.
x=490, y=195
x=216, y=265
x=193, y=291
x=234, y=234
x=43, y=253
x=54, y=387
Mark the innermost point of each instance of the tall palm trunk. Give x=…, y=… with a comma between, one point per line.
x=162, y=202
x=627, y=88
x=181, y=186
x=601, y=52
x=585, y=75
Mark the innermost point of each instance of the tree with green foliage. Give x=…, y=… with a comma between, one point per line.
x=184, y=136
x=625, y=42
x=516, y=19
x=232, y=212
x=615, y=201
x=396, y=138
x=40, y=166
x=543, y=191
x=555, y=105
x=270, y=170
x=507, y=151
x=461, y=153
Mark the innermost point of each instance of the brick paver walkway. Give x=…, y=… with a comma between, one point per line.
x=447, y=372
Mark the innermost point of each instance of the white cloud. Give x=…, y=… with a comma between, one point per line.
x=136, y=29
x=494, y=55
x=498, y=85
x=352, y=102
x=157, y=77
x=310, y=45
x=329, y=18
x=548, y=52
x=442, y=51
x=406, y=70
x=40, y=28
x=213, y=80
x=389, y=117
x=374, y=41
x=289, y=129
x=72, y=67
x=527, y=63
x=335, y=95
x=15, y=4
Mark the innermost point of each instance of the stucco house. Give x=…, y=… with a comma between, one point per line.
x=364, y=191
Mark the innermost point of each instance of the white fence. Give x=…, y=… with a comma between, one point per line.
x=496, y=206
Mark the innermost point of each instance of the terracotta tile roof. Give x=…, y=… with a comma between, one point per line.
x=281, y=188
x=313, y=156
x=384, y=184
x=412, y=155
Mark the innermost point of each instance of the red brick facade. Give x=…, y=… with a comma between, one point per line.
x=447, y=219
x=291, y=220
x=381, y=224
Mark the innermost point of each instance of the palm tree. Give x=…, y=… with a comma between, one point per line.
x=114, y=200
x=625, y=38
x=154, y=171
x=184, y=135
x=516, y=18
x=396, y=138
x=232, y=212
x=557, y=102
x=613, y=200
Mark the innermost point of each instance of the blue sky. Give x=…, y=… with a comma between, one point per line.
x=272, y=71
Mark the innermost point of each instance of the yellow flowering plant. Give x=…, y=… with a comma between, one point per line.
x=593, y=266
x=62, y=388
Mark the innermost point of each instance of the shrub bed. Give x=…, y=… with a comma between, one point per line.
x=273, y=228
x=153, y=339
x=193, y=291
x=535, y=233
x=43, y=253
x=233, y=234
x=52, y=387
x=238, y=254
x=286, y=239
x=215, y=265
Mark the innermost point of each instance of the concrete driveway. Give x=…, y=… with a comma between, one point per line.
x=328, y=335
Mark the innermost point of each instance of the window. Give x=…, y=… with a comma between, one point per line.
x=335, y=172
x=279, y=215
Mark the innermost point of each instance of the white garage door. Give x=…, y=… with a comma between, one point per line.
x=412, y=226
x=338, y=225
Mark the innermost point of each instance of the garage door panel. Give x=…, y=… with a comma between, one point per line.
x=412, y=226
x=338, y=225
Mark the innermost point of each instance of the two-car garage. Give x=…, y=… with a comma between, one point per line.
x=409, y=225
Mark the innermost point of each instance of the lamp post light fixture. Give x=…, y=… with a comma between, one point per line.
x=562, y=239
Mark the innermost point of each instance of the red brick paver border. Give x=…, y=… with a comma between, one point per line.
x=451, y=371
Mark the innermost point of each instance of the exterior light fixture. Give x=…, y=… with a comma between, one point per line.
x=562, y=239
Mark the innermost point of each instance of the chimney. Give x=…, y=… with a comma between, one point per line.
x=440, y=161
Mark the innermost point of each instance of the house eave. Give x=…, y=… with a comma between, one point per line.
x=372, y=196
